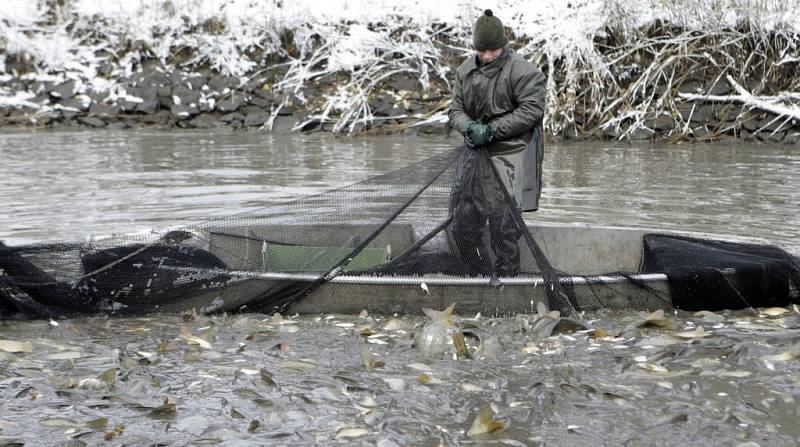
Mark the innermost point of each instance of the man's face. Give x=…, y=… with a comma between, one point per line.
x=487, y=56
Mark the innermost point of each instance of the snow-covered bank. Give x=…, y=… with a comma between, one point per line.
x=615, y=69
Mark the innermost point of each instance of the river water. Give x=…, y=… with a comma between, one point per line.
x=320, y=379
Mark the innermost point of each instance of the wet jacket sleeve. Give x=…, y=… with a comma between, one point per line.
x=458, y=117
x=528, y=89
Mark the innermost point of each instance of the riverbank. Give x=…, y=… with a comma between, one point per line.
x=697, y=70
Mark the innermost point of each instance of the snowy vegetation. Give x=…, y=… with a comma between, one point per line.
x=625, y=69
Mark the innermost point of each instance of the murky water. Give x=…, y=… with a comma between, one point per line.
x=140, y=381
x=68, y=185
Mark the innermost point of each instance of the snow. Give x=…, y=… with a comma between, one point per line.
x=18, y=99
x=74, y=41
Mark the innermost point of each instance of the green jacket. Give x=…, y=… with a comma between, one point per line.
x=508, y=95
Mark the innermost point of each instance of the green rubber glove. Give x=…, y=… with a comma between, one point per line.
x=465, y=131
x=478, y=135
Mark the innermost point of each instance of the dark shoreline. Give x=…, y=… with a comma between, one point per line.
x=162, y=96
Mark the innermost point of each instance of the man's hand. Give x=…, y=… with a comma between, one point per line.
x=477, y=135
x=466, y=131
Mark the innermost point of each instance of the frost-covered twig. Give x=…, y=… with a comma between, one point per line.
x=766, y=103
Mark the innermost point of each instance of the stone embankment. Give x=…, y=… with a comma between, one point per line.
x=164, y=98
x=168, y=97
x=659, y=83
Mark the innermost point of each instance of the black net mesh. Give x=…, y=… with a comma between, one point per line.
x=439, y=232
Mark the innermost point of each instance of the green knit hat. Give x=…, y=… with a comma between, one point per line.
x=489, y=32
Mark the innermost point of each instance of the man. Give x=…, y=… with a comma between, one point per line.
x=498, y=104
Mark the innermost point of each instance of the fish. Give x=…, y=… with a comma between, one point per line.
x=351, y=432
x=192, y=340
x=699, y=332
x=654, y=319
x=775, y=311
x=15, y=347
x=484, y=422
x=297, y=365
x=369, y=360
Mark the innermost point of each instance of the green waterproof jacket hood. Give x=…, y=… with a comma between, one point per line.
x=508, y=95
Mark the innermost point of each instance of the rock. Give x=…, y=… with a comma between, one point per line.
x=771, y=124
x=571, y=132
x=68, y=114
x=721, y=88
x=746, y=135
x=311, y=125
x=702, y=114
x=793, y=137
x=230, y=104
x=182, y=112
x=146, y=92
x=701, y=132
x=207, y=105
x=433, y=95
x=205, y=122
x=77, y=103
x=97, y=97
x=662, y=122
x=641, y=134
x=251, y=109
x=161, y=117
x=414, y=106
x=177, y=77
x=65, y=90
x=231, y=117
x=196, y=82
x=147, y=106
x=287, y=110
x=165, y=103
x=609, y=132
x=382, y=105
x=256, y=119
x=185, y=96
x=92, y=121
x=106, y=69
x=127, y=105
x=432, y=129
x=260, y=102
x=404, y=84
x=283, y=124
x=155, y=78
x=750, y=124
x=118, y=125
x=660, y=89
x=164, y=91
x=771, y=137
x=728, y=112
x=42, y=87
x=134, y=80
x=256, y=86
x=266, y=94
x=690, y=87
x=220, y=83
x=101, y=109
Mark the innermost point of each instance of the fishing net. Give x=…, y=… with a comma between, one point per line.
x=441, y=231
